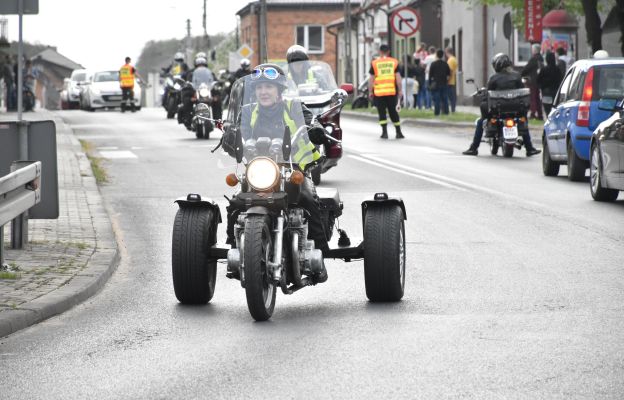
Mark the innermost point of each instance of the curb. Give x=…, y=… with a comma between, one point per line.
x=91, y=279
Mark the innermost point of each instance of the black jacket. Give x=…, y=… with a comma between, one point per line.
x=505, y=80
x=532, y=68
x=549, y=79
x=439, y=73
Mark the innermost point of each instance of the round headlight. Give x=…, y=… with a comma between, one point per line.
x=262, y=173
x=204, y=92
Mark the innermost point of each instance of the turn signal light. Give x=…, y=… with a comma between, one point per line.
x=493, y=121
x=296, y=178
x=231, y=179
x=522, y=119
x=509, y=123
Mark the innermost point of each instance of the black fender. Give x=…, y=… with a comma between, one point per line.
x=195, y=200
x=380, y=200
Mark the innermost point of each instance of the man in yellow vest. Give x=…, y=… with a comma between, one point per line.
x=127, y=75
x=385, y=85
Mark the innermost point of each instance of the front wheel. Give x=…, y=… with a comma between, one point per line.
x=194, y=274
x=384, y=253
x=257, y=249
x=172, y=106
x=549, y=167
x=598, y=192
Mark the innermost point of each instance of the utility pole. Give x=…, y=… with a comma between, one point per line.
x=189, y=51
x=263, y=33
x=347, y=41
x=204, y=20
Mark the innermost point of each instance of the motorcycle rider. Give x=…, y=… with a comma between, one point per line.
x=244, y=69
x=505, y=78
x=268, y=118
x=299, y=70
x=203, y=74
x=176, y=67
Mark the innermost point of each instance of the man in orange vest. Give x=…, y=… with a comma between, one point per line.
x=384, y=84
x=126, y=81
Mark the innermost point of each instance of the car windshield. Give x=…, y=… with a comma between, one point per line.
x=79, y=77
x=262, y=121
x=609, y=82
x=108, y=76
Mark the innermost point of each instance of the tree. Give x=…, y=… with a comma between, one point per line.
x=593, y=25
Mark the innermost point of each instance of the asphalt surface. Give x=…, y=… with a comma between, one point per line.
x=513, y=288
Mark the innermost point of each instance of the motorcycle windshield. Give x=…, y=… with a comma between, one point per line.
x=310, y=81
x=263, y=122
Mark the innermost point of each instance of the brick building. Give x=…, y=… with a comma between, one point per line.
x=291, y=22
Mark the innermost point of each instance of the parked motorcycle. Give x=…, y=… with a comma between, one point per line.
x=507, y=110
x=322, y=96
x=361, y=100
x=271, y=249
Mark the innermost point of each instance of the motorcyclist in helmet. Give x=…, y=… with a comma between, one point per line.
x=299, y=70
x=177, y=66
x=244, y=69
x=268, y=117
x=505, y=78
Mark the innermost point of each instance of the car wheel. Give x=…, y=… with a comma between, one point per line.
x=576, y=166
x=549, y=167
x=598, y=192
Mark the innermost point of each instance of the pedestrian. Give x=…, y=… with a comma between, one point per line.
x=452, y=82
x=530, y=72
x=439, y=73
x=9, y=82
x=421, y=53
x=419, y=76
x=548, y=80
x=127, y=75
x=431, y=57
x=407, y=80
x=383, y=84
x=561, y=61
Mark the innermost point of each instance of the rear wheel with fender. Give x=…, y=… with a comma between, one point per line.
x=194, y=273
x=508, y=150
x=384, y=253
x=257, y=251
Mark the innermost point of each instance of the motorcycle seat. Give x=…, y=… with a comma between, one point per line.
x=329, y=198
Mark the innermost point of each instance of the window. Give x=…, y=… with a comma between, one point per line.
x=563, y=90
x=522, y=52
x=311, y=37
x=609, y=82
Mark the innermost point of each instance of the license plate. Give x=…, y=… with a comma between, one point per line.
x=510, y=133
x=114, y=98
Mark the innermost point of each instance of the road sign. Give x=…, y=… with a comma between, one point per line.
x=245, y=51
x=8, y=7
x=405, y=21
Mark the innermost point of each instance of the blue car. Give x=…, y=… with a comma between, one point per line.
x=575, y=114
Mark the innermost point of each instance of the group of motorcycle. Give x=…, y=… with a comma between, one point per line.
x=195, y=107
x=269, y=247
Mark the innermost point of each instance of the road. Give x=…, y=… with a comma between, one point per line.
x=514, y=284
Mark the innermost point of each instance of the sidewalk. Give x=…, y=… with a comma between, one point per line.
x=67, y=260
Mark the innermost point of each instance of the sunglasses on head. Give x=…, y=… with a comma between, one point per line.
x=268, y=72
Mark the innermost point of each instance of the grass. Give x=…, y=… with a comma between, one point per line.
x=96, y=163
x=428, y=114
x=9, y=275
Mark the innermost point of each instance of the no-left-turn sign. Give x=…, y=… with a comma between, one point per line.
x=405, y=21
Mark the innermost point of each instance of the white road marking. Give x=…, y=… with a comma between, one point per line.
x=108, y=148
x=430, y=150
x=137, y=148
x=118, y=154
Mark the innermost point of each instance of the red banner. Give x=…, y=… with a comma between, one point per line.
x=533, y=20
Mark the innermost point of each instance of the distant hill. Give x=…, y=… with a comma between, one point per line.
x=158, y=54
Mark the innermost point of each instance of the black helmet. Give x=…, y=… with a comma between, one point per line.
x=296, y=53
x=501, y=61
x=270, y=73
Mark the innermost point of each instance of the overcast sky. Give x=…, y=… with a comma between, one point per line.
x=99, y=34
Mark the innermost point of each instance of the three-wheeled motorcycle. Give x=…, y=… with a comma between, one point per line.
x=270, y=249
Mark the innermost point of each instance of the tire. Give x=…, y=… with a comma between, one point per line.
x=384, y=253
x=576, y=166
x=549, y=167
x=257, y=248
x=360, y=102
x=194, y=274
x=171, y=107
x=493, y=146
x=598, y=192
x=199, y=132
x=316, y=175
x=508, y=150
x=207, y=128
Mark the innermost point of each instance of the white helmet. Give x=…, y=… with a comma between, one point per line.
x=178, y=56
x=200, y=55
x=245, y=63
x=200, y=61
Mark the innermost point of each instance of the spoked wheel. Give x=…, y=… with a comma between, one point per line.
x=384, y=253
x=508, y=150
x=598, y=192
x=194, y=274
x=257, y=251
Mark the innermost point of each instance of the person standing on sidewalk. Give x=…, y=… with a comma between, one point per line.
x=530, y=72
x=384, y=83
x=439, y=73
x=452, y=82
x=431, y=57
x=419, y=75
x=548, y=81
x=126, y=82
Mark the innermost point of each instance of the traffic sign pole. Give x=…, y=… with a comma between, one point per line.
x=405, y=22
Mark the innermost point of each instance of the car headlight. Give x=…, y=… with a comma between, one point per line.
x=262, y=173
x=204, y=92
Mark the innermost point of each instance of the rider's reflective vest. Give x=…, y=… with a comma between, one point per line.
x=310, y=78
x=126, y=76
x=385, y=70
x=176, y=69
x=304, y=152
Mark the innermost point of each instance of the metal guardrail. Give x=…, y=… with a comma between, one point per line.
x=19, y=191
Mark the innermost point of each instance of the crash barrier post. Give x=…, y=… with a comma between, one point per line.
x=19, y=191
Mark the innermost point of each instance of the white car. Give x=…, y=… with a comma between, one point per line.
x=103, y=91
